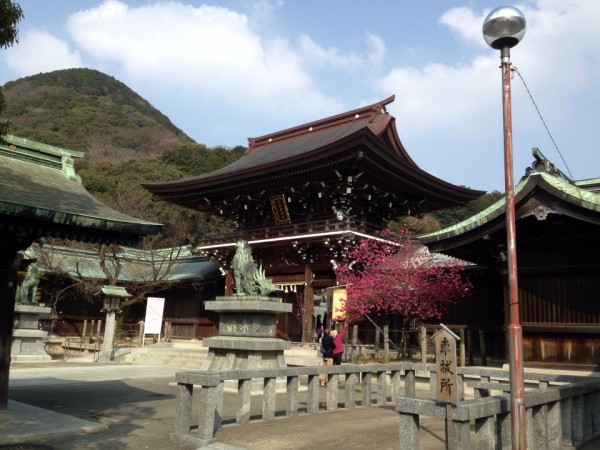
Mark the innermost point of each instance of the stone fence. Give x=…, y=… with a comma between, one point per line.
x=561, y=410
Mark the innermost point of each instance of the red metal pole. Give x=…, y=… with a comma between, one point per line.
x=515, y=332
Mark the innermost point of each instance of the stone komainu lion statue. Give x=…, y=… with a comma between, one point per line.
x=249, y=280
x=26, y=291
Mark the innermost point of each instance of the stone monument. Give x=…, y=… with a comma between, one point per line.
x=248, y=320
x=28, y=339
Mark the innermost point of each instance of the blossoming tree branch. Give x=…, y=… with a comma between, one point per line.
x=395, y=274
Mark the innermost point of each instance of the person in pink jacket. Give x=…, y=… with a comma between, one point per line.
x=338, y=339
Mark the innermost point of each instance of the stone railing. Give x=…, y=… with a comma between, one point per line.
x=554, y=403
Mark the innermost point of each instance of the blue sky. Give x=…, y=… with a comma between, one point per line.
x=228, y=70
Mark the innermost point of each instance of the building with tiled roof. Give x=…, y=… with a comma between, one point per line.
x=41, y=196
x=303, y=195
x=558, y=236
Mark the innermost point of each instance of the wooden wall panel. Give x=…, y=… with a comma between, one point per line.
x=560, y=298
x=576, y=349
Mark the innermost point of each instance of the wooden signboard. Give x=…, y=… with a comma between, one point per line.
x=445, y=360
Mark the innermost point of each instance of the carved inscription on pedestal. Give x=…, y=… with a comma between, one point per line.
x=247, y=325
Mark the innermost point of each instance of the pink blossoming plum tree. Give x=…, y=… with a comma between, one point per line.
x=395, y=274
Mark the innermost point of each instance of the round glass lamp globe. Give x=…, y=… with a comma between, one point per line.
x=504, y=27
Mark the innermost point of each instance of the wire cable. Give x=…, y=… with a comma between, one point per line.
x=514, y=69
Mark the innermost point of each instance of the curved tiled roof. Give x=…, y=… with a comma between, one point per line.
x=38, y=184
x=369, y=130
x=171, y=265
x=542, y=176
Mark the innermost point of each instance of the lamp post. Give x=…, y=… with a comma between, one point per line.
x=111, y=300
x=504, y=28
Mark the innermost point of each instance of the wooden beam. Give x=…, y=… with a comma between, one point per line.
x=309, y=302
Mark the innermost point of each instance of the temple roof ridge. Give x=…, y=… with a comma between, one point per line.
x=39, y=184
x=543, y=164
x=541, y=173
x=42, y=154
x=138, y=265
x=364, y=113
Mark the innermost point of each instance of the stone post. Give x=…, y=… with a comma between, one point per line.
x=109, y=337
x=28, y=339
x=386, y=344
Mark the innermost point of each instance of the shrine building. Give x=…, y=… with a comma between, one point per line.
x=42, y=196
x=303, y=196
x=558, y=236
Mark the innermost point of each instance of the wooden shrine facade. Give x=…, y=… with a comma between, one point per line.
x=558, y=236
x=42, y=196
x=303, y=196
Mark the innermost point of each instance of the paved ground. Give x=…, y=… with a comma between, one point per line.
x=132, y=407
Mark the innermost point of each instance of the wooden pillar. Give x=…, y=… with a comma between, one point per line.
x=309, y=302
x=8, y=283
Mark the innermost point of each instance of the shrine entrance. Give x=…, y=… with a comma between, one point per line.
x=302, y=197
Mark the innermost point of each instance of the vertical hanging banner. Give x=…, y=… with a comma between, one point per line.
x=338, y=305
x=154, y=315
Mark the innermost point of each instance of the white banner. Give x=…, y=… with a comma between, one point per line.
x=154, y=315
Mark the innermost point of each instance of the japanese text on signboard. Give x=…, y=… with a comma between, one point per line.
x=445, y=359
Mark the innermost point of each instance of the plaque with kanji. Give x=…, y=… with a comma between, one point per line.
x=445, y=360
x=280, y=210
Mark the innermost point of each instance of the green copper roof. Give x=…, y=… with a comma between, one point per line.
x=38, y=185
x=114, y=291
x=542, y=175
x=591, y=184
x=175, y=265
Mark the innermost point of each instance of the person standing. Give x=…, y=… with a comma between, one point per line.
x=327, y=348
x=319, y=328
x=338, y=342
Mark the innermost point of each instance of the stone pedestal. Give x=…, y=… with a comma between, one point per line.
x=28, y=339
x=247, y=331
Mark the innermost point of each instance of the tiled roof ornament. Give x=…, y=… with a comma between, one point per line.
x=542, y=164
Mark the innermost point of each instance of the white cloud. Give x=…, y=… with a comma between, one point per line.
x=39, y=51
x=314, y=54
x=555, y=61
x=560, y=33
x=440, y=97
x=263, y=10
x=206, y=50
x=378, y=49
x=465, y=23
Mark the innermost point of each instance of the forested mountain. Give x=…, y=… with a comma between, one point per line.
x=128, y=142
x=86, y=110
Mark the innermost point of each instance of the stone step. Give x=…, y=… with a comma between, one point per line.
x=191, y=354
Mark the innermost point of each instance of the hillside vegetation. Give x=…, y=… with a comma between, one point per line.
x=86, y=110
x=128, y=142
